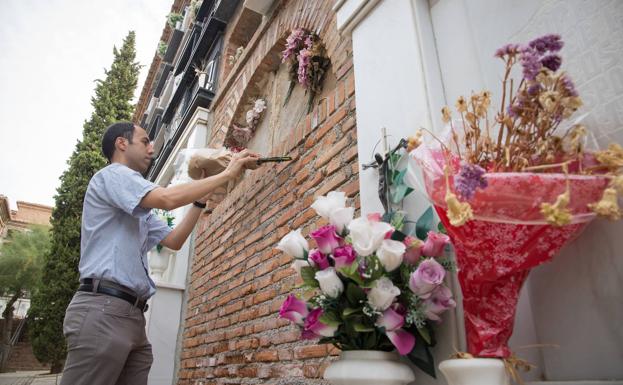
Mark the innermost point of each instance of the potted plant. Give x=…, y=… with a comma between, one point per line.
x=370, y=290
x=512, y=187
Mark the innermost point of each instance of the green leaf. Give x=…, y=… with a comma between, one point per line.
x=399, y=193
x=349, y=311
x=308, y=274
x=423, y=358
x=370, y=341
x=355, y=295
x=424, y=224
x=398, y=236
x=361, y=328
x=441, y=228
x=398, y=220
x=351, y=272
x=330, y=318
x=425, y=334
x=399, y=177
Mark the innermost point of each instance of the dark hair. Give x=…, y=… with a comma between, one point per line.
x=114, y=131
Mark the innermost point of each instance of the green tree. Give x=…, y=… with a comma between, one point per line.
x=111, y=103
x=21, y=259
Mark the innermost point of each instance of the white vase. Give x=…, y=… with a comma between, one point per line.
x=368, y=367
x=159, y=261
x=475, y=371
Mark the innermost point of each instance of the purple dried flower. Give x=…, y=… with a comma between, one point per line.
x=568, y=86
x=534, y=89
x=530, y=63
x=304, y=63
x=552, y=62
x=293, y=43
x=508, y=49
x=309, y=42
x=551, y=43
x=470, y=177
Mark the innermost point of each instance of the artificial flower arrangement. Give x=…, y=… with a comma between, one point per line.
x=511, y=191
x=240, y=135
x=167, y=217
x=369, y=285
x=308, y=62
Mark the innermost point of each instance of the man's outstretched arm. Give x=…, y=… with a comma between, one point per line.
x=172, y=197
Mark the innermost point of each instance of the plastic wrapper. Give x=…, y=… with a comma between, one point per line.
x=210, y=160
x=507, y=237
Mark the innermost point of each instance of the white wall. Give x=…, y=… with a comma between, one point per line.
x=164, y=318
x=165, y=307
x=392, y=91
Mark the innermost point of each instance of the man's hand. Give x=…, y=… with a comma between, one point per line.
x=241, y=161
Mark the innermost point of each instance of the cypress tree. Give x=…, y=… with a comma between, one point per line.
x=111, y=103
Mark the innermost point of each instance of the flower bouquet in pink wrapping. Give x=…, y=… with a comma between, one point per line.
x=512, y=187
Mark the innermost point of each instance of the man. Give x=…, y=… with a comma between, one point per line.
x=104, y=323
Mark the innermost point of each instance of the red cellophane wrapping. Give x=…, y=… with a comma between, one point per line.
x=507, y=237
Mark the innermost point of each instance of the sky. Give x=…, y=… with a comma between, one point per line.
x=51, y=53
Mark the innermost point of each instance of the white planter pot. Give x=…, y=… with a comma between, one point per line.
x=368, y=367
x=159, y=261
x=475, y=371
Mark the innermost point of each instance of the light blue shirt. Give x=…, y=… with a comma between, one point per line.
x=116, y=232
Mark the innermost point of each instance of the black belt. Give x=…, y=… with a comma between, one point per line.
x=87, y=285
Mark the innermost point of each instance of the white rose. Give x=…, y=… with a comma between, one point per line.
x=330, y=283
x=367, y=236
x=382, y=294
x=294, y=244
x=391, y=253
x=298, y=264
x=324, y=206
x=341, y=217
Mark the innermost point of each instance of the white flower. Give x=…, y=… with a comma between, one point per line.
x=367, y=236
x=330, y=283
x=324, y=206
x=259, y=106
x=294, y=244
x=341, y=217
x=298, y=264
x=250, y=117
x=390, y=254
x=382, y=294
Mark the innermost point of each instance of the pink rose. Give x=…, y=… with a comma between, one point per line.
x=294, y=309
x=344, y=256
x=392, y=320
x=320, y=260
x=439, y=301
x=414, y=250
x=315, y=326
x=374, y=217
x=434, y=244
x=326, y=238
x=426, y=278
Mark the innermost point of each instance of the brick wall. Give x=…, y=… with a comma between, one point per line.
x=238, y=279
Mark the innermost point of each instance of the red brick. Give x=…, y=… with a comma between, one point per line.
x=340, y=93
x=310, y=351
x=266, y=355
x=350, y=85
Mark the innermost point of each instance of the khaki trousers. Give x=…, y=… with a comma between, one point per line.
x=106, y=342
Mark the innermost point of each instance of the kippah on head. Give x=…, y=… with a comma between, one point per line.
x=114, y=131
